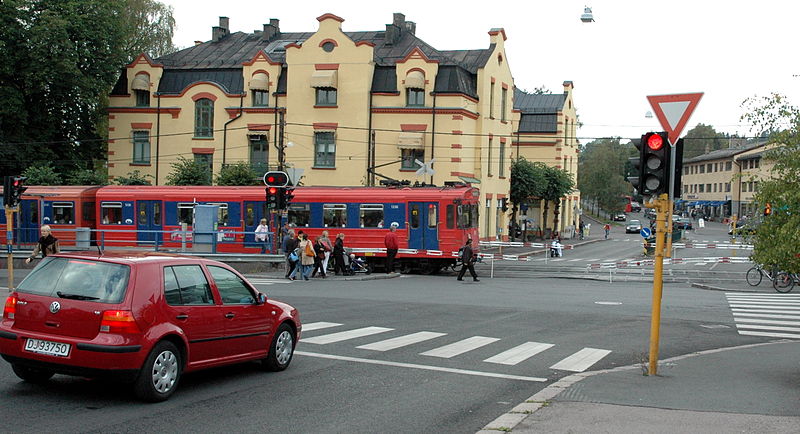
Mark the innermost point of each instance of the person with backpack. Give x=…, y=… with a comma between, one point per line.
x=467, y=261
x=289, y=245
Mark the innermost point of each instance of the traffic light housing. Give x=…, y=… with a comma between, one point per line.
x=273, y=197
x=288, y=196
x=635, y=175
x=13, y=187
x=276, y=178
x=655, y=156
x=677, y=175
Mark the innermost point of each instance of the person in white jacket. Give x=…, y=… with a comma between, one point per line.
x=262, y=235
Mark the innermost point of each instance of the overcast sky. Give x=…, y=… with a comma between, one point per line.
x=730, y=50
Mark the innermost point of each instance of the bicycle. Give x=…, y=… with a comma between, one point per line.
x=784, y=282
x=756, y=273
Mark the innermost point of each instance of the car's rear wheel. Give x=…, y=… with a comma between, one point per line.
x=32, y=375
x=281, y=350
x=160, y=374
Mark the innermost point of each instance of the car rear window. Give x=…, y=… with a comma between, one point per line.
x=79, y=279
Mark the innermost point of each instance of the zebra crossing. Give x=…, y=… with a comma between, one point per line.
x=577, y=362
x=768, y=315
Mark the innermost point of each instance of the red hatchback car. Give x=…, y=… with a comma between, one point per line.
x=141, y=317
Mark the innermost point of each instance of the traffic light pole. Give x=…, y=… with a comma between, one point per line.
x=9, y=246
x=663, y=207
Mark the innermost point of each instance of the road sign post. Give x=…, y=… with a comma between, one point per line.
x=662, y=207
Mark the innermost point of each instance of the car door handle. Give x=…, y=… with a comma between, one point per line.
x=229, y=315
x=182, y=316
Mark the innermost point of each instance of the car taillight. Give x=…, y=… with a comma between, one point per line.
x=118, y=321
x=11, y=307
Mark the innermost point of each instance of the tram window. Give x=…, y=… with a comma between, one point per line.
x=250, y=215
x=371, y=215
x=186, y=213
x=414, y=216
x=111, y=213
x=63, y=213
x=433, y=218
x=334, y=215
x=299, y=215
x=157, y=213
x=222, y=213
x=467, y=216
x=88, y=211
x=450, y=216
x=34, y=213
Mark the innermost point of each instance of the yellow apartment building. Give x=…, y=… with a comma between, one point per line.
x=335, y=107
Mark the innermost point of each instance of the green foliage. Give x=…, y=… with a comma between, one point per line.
x=527, y=181
x=777, y=239
x=86, y=177
x=189, y=172
x=604, y=167
x=150, y=28
x=134, y=178
x=703, y=139
x=240, y=173
x=42, y=174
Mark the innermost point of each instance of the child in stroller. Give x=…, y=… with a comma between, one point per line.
x=355, y=264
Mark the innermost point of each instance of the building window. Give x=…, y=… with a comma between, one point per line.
x=491, y=101
x=326, y=96
x=324, y=150
x=702, y=188
x=408, y=157
x=709, y=168
x=206, y=160
x=702, y=168
x=489, y=164
x=727, y=187
x=142, y=98
x=501, y=171
x=415, y=97
x=204, y=118
x=757, y=163
x=503, y=101
x=260, y=98
x=141, y=147
x=728, y=165
x=259, y=153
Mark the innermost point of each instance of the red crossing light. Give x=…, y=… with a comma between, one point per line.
x=655, y=142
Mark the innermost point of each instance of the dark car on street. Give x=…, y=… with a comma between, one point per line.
x=141, y=317
x=684, y=223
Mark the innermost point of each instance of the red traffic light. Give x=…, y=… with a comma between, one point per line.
x=276, y=178
x=273, y=190
x=655, y=142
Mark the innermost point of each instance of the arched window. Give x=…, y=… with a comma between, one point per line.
x=204, y=118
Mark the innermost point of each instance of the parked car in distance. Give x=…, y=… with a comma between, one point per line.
x=620, y=217
x=636, y=207
x=650, y=213
x=141, y=317
x=684, y=223
x=633, y=226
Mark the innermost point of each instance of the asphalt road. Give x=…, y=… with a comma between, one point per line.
x=408, y=375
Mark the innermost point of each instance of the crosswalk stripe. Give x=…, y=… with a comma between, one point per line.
x=581, y=360
x=401, y=341
x=346, y=335
x=765, y=296
x=460, y=347
x=735, y=311
x=766, y=306
x=319, y=325
x=767, y=321
x=772, y=335
x=765, y=303
x=519, y=353
x=767, y=327
x=757, y=315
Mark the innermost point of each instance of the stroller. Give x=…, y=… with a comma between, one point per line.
x=354, y=264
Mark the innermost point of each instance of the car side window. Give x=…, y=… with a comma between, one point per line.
x=186, y=285
x=231, y=287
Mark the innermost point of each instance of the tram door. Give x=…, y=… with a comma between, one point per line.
x=148, y=218
x=254, y=211
x=423, y=229
x=28, y=219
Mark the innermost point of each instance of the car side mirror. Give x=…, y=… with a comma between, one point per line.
x=262, y=298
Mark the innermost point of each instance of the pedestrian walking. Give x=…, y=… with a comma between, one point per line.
x=467, y=261
x=319, y=255
x=581, y=228
x=289, y=245
x=262, y=235
x=306, y=253
x=390, y=241
x=338, y=255
x=47, y=245
x=328, y=249
x=607, y=229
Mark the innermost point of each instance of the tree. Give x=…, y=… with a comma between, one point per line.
x=527, y=182
x=559, y=183
x=240, y=173
x=189, y=172
x=86, y=177
x=42, y=174
x=150, y=28
x=702, y=139
x=777, y=239
x=134, y=178
x=603, y=165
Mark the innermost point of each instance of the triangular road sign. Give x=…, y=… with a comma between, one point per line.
x=673, y=111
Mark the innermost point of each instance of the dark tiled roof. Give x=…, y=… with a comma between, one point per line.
x=538, y=103
x=538, y=123
x=724, y=153
x=755, y=156
x=453, y=79
x=384, y=79
x=174, y=81
x=121, y=88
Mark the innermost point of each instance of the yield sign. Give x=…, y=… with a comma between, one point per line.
x=673, y=111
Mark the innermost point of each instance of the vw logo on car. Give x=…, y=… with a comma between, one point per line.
x=55, y=307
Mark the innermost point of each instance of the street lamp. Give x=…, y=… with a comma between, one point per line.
x=587, y=16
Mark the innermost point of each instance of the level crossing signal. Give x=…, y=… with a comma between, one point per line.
x=276, y=178
x=13, y=187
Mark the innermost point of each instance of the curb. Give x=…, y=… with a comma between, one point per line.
x=718, y=288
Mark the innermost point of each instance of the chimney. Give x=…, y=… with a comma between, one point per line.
x=223, y=22
x=196, y=43
x=394, y=30
x=411, y=27
x=219, y=32
x=271, y=29
x=399, y=20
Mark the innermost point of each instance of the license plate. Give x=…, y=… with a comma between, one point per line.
x=49, y=348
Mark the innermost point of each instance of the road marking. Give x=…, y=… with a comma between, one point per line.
x=343, y=336
x=763, y=311
x=766, y=327
x=772, y=335
x=766, y=306
x=581, y=360
x=767, y=316
x=460, y=347
x=319, y=325
x=768, y=321
x=423, y=367
x=608, y=303
x=519, y=353
x=401, y=341
x=266, y=281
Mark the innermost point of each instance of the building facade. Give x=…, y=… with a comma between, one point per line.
x=332, y=107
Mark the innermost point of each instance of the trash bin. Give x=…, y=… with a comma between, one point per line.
x=83, y=238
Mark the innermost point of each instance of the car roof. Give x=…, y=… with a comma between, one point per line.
x=637, y=221
x=131, y=257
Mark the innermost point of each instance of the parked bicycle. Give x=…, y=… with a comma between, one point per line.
x=757, y=273
x=784, y=282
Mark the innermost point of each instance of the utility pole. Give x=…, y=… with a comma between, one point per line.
x=281, y=146
x=9, y=246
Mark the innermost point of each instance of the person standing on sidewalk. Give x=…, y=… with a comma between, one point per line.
x=326, y=242
x=262, y=233
x=467, y=261
x=47, y=244
x=390, y=241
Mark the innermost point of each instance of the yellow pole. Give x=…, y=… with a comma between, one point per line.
x=669, y=229
x=9, y=242
x=662, y=206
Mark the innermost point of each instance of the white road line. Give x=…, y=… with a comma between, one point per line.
x=460, y=347
x=343, y=336
x=519, y=353
x=764, y=296
x=765, y=304
x=766, y=327
x=772, y=335
x=575, y=260
x=735, y=311
x=581, y=360
x=319, y=325
x=424, y=367
x=768, y=301
x=767, y=316
x=767, y=321
x=401, y=341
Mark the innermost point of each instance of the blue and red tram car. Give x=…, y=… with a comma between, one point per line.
x=433, y=222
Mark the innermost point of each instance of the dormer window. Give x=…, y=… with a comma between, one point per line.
x=141, y=89
x=415, y=97
x=259, y=88
x=142, y=98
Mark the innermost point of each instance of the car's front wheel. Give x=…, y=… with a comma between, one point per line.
x=159, y=376
x=32, y=375
x=281, y=349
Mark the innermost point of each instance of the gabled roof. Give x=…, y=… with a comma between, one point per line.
x=720, y=154
x=538, y=103
x=174, y=81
